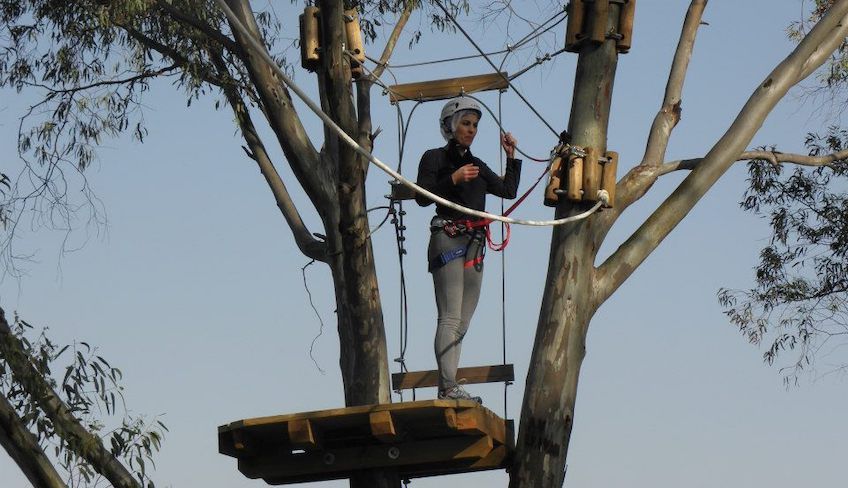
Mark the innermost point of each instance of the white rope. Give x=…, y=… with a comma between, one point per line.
x=603, y=196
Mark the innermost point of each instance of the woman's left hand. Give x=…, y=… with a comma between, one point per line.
x=508, y=144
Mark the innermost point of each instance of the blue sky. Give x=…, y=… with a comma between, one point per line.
x=194, y=287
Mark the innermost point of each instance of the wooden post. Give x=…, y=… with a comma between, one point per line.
x=598, y=20
x=574, y=181
x=625, y=26
x=310, y=38
x=608, y=176
x=355, y=46
x=554, y=182
x=591, y=175
x=574, y=29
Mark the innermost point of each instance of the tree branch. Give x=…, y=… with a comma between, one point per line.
x=122, y=81
x=200, y=25
x=279, y=110
x=307, y=244
x=811, y=52
x=171, y=53
x=774, y=157
x=636, y=183
x=392, y=40
x=23, y=448
x=80, y=440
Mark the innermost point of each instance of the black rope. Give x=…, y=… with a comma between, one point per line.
x=320, y=320
x=476, y=46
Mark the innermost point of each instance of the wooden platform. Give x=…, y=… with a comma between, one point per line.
x=423, y=438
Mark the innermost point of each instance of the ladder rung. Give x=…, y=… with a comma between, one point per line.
x=477, y=374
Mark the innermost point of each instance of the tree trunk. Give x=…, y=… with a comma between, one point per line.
x=568, y=303
x=23, y=448
x=364, y=357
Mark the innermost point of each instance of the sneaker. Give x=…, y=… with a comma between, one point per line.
x=458, y=393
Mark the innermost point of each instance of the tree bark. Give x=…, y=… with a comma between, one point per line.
x=363, y=355
x=23, y=448
x=568, y=304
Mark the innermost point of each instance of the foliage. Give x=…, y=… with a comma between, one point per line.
x=800, y=301
x=90, y=387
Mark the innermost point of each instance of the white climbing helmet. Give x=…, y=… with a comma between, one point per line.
x=453, y=106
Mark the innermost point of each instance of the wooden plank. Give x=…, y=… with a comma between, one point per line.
x=477, y=422
x=350, y=414
x=448, y=87
x=477, y=374
x=333, y=464
x=302, y=434
x=383, y=426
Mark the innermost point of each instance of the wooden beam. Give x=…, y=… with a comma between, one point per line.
x=477, y=374
x=383, y=426
x=448, y=87
x=476, y=422
x=302, y=435
x=336, y=463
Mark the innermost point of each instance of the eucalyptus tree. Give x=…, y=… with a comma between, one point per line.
x=95, y=60
x=576, y=286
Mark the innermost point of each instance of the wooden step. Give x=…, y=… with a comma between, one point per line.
x=477, y=374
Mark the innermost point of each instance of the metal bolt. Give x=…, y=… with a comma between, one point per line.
x=393, y=453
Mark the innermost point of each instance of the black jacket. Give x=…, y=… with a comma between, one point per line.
x=437, y=166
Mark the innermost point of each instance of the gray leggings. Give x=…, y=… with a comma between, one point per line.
x=457, y=287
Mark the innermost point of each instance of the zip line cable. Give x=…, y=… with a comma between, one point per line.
x=603, y=196
x=509, y=48
x=467, y=36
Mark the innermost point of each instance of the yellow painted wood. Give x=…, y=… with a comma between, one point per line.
x=477, y=374
x=609, y=177
x=625, y=26
x=448, y=87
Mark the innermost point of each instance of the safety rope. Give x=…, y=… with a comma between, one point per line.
x=602, y=195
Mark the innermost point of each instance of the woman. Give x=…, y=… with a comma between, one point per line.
x=456, y=249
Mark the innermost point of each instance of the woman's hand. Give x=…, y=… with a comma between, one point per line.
x=465, y=173
x=508, y=144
